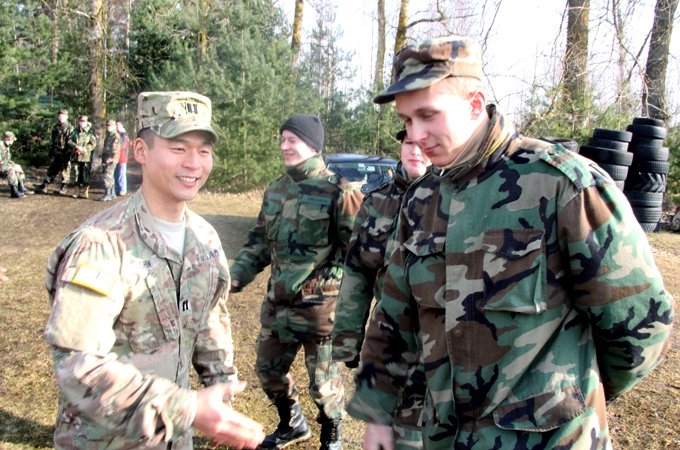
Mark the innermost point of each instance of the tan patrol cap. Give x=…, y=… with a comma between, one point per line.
x=170, y=114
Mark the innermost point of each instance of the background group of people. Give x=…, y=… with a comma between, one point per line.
x=71, y=152
x=515, y=292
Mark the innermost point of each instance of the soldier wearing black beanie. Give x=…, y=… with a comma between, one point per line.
x=306, y=127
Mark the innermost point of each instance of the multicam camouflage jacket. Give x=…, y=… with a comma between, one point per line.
x=59, y=139
x=129, y=318
x=365, y=265
x=302, y=230
x=532, y=294
x=86, y=141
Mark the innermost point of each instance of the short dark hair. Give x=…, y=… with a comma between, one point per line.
x=147, y=135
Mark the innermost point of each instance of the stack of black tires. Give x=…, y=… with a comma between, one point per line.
x=609, y=149
x=646, y=181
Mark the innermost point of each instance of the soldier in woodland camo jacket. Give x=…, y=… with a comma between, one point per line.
x=520, y=277
x=302, y=230
x=362, y=281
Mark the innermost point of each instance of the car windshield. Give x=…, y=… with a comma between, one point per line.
x=367, y=171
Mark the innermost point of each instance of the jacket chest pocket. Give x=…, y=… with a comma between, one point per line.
x=514, y=271
x=151, y=319
x=272, y=209
x=313, y=220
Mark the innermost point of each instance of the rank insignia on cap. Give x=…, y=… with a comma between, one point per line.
x=92, y=278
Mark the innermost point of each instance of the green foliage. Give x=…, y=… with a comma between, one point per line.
x=673, y=181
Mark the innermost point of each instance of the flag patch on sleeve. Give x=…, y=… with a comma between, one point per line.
x=92, y=278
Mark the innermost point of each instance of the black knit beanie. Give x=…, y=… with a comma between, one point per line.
x=306, y=127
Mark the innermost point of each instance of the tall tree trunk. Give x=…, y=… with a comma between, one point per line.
x=97, y=60
x=654, y=89
x=400, y=38
x=575, y=72
x=296, y=39
x=380, y=52
x=55, y=11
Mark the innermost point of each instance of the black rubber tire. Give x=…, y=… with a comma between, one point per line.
x=567, y=143
x=644, y=152
x=644, y=165
x=646, y=181
x=607, y=155
x=608, y=143
x=644, y=199
x=649, y=227
x=649, y=121
x=647, y=130
x=616, y=135
x=647, y=215
x=617, y=172
x=644, y=140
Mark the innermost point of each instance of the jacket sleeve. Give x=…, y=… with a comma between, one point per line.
x=616, y=285
x=107, y=390
x=356, y=290
x=255, y=254
x=213, y=356
x=390, y=350
x=348, y=206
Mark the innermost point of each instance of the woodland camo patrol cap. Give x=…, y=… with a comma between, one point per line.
x=170, y=114
x=418, y=66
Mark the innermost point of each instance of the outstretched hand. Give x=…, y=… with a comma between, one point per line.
x=378, y=437
x=216, y=419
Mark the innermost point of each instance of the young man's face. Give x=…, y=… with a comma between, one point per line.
x=82, y=123
x=439, y=120
x=62, y=118
x=414, y=162
x=294, y=149
x=174, y=169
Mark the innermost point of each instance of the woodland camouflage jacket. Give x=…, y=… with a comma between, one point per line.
x=531, y=293
x=302, y=230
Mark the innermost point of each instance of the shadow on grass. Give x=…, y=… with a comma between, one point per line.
x=24, y=432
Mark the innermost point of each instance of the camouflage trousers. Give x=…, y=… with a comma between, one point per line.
x=275, y=358
x=13, y=172
x=107, y=171
x=80, y=173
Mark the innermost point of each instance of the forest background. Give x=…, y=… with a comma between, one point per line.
x=261, y=60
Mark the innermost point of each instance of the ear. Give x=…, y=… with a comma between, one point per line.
x=139, y=149
x=477, y=104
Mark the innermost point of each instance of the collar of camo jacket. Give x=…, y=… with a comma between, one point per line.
x=491, y=141
x=310, y=168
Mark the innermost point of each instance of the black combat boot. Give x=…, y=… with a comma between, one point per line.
x=14, y=191
x=23, y=189
x=292, y=427
x=41, y=188
x=331, y=435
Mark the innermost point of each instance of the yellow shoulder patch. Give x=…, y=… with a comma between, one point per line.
x=92, y=278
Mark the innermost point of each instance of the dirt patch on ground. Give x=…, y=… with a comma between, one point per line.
x=647, y=417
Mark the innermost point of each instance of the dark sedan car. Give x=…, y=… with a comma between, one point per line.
x=367, y=171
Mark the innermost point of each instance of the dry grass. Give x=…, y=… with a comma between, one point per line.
x=647, y=417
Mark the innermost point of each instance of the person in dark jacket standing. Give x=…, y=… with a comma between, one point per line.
x=302, y=231
x=59, y=153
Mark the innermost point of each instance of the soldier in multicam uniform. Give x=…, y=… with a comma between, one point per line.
x=302, y=230
x=520, y=277
x=362, y=281
x=83, y=142
x=110, y=155
x=60, y=154
x=139, y=295
x=11, y=170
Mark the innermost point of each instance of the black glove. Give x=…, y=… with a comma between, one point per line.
x=353, y=364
